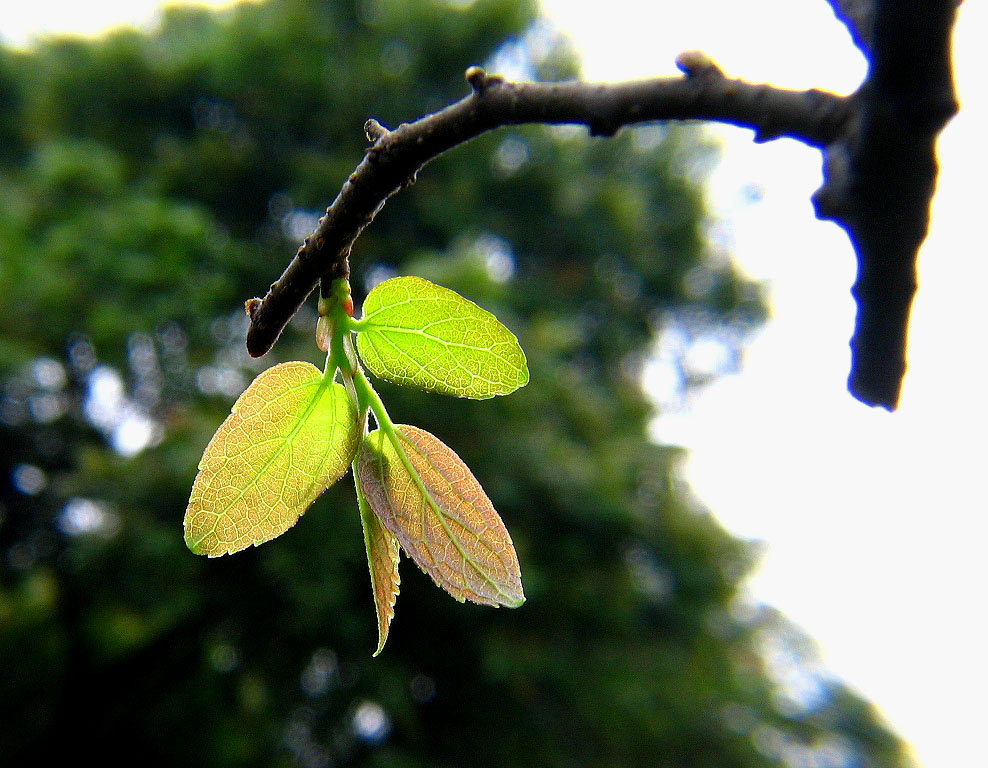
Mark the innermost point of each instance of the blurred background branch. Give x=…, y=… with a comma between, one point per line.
x=880, y=174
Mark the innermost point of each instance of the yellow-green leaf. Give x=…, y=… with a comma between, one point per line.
x=382, y=560
x=421, y=335
x=290, y=436
x=426, y=496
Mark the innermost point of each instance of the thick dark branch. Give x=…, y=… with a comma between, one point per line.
x=859, y=18
x=395, y=157
x=880, y=175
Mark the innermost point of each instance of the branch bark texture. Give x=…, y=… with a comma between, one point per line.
x=878, y=147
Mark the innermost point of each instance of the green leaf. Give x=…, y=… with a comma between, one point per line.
x=382, y=560
x=425, y=495
x=290, y=436
x=421, y=335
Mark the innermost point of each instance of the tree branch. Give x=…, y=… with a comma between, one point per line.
x=879, y=177
x=879, y=163
x=859, y=18
x=396, y=156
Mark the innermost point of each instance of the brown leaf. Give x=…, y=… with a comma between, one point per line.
x=382, y=560
x=425, y=495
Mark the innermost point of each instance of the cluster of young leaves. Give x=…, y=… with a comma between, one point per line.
x=295, y=431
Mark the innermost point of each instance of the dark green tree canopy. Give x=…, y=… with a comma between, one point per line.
x=152, y=182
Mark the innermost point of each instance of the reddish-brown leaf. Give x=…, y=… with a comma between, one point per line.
x=425, y=495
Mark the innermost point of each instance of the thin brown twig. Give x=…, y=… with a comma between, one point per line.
x=395, y=157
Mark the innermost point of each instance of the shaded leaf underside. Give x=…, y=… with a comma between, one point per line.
x=431, y=502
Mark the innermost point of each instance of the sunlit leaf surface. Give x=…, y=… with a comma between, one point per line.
x=290, y=435
x=441, y=516
x=422, y=335
x=382, y=560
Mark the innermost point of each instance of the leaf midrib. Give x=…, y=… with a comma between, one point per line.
x=322, y=386
x=413, y=473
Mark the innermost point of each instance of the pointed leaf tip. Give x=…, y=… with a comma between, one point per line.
x=382, y=561
x=289, y=436
x=424, y=494
x=421, y=335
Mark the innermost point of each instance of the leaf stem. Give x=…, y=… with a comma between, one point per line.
x=338, y=353
x=356, y=325
x=336, y=308
x=329, y=371
x=367, y=397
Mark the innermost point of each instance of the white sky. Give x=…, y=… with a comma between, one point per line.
x=874, y=522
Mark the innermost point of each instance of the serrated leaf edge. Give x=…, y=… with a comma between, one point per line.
x=366, y=326
x=325, y=384
x=510, y=602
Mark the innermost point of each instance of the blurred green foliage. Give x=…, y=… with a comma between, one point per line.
x=151, y=183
